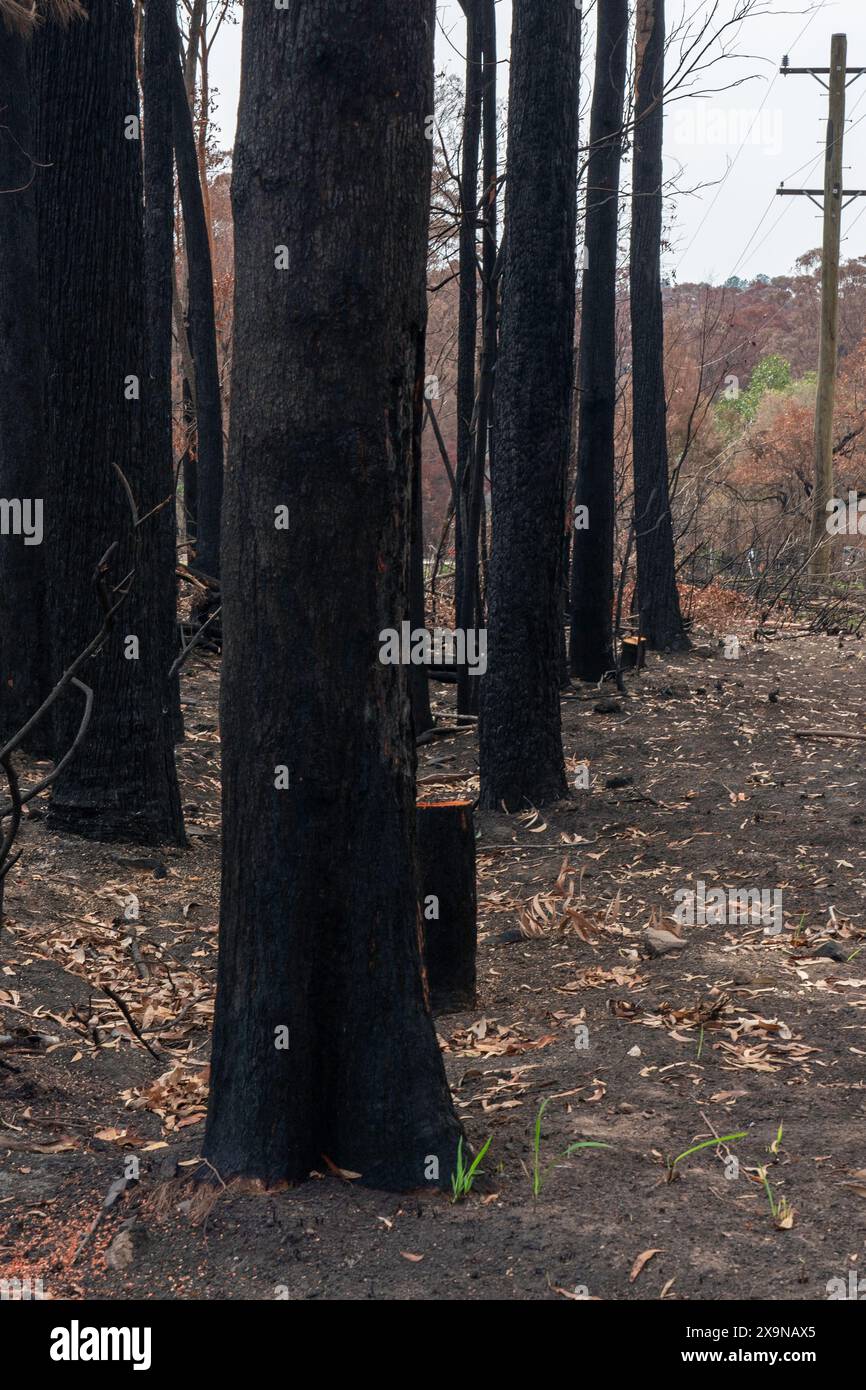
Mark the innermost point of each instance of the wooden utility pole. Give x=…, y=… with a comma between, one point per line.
x=835, y=199
x=819, y=565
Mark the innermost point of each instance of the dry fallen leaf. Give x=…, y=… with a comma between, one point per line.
x=642, y=1260
x=345, y=1173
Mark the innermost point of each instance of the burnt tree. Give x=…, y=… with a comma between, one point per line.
x=446, y=887
x=591, y=646
x=419, y=685
x=521, y=757
x=159, y=46
x=122, y=781
x=324, y=1045
x=24, y=658
x=466, y=566
x=658, y=600
x=209, y=459
x=468, y=602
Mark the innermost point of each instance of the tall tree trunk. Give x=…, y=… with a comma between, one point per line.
x=465, y=567
x=521, y=745
x=157, y=70
x=319, y=926
x=592, y=557
x=189, y=462
x=472, y=615
x=658, y=600
x=122, y=781
x=419, y=685
x=24, y=658
x=209, y=424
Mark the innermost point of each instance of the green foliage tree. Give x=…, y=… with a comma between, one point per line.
x=739, y=408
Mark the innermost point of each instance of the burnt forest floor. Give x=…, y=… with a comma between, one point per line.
x=696, y=777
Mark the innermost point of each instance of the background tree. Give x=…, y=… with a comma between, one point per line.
x=201, y=328
x=419, y=686
x=122, y=782
x=319, y=925
x=471, y=484
x=465, y=553
x=521, y=756
x=591, y=645
x=658, y=600
x=157, y=72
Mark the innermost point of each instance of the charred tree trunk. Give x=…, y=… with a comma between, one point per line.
x=208, y=402
x=465, y=567
x=159, y=275
x=591, y=653
x=320, y=925
x=24, y=657
x=122, y=781
x=658, y=599
x=189, y=461
x=422, y=718
x=521, y=756
x=472, y=615
x=446, y=880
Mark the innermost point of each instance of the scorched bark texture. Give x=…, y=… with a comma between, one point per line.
x=320, y=929
x=122, y=781
x=592, y=562
x=24, y=662
x=521, y=756
x=658, y=600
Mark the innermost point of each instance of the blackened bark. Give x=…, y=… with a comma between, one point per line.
x=658, y=600
x=591, y=650
x=122, y=781
x=24, y=659
x=466, y=565
x=209, y=423
x=422, y=718
x=473, y=488
x=446, y=881
x=158, y=271
x=521, y=756
x=189, y=461
x=320, y=927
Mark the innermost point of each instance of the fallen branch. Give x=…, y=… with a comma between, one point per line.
x=828, y=733
x=443, y=731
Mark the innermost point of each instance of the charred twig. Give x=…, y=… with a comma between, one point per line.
x=104, y=989
x=193, y=641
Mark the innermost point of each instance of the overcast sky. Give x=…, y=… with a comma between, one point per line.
x=753, y=136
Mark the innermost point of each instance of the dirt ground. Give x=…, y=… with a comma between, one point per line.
x=696, y=776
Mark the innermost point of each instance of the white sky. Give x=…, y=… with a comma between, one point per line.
x=704, y=134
